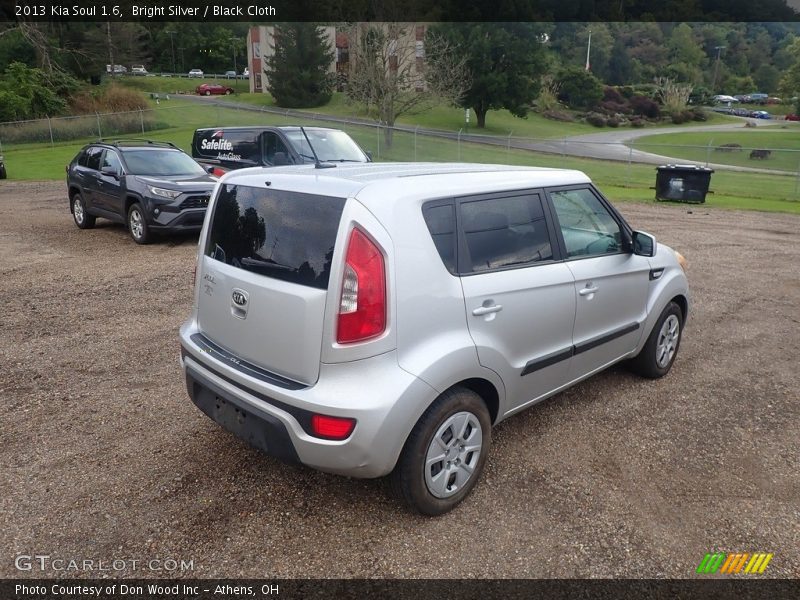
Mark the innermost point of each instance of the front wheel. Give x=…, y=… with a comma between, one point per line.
x=137, y=225
x=228, y=92
x=79, y=214
x=656, y=358
x=444, y=455
x=208, y=93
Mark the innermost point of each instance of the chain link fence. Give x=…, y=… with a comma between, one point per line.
x=414, y=143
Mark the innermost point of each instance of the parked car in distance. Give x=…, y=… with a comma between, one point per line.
x=760, y=114
x=138, y=70
x=118, y=69
x=230, y=74
x=378, y=319
x=224, y=148
x=195, y=73
x=792, y=117
x=246, y=73
x=149, y=186
x=213, y=89
x=723, y=99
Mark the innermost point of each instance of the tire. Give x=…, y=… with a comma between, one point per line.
x=228, y=92
x=457, y=428
x=3, y=172
x=79, y=213
x=208, y=93
x=137, y=224
x=659, y=352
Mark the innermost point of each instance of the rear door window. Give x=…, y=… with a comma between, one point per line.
x=278, y=234
x=93, y=158
x=505, y=231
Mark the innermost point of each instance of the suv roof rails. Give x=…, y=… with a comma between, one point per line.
x=134, y=141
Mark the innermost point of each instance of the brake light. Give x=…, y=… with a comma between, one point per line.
x=362, y=307
x=217, y=172
x=332, y=428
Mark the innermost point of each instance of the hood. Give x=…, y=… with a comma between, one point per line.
x=180, y=182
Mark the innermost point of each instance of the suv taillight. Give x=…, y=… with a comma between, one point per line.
x=362, y=307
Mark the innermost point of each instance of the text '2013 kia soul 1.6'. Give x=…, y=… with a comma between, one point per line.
x=380, y=319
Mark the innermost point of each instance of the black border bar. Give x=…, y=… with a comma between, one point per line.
x=746, y=587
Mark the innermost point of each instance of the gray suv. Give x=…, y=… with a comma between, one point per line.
x=379, y=319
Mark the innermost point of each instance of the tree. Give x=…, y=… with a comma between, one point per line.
x=391, y=71
x=579, y=88
x=298, y=72
x=505, y=62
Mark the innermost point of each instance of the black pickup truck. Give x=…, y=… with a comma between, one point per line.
x=226, y=148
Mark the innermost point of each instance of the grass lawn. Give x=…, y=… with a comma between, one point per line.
x=783, y=140
x=619, y=181
x=176, y=85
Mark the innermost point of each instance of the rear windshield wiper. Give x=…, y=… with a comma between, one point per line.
x=265, y=264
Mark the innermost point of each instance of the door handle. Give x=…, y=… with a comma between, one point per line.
x=587, y=290
x=485, y=310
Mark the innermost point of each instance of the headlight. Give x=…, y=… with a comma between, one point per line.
x=681, y=260
x=163, y=193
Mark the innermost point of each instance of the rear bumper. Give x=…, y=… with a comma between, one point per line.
x=258, y=428
x=275, y=419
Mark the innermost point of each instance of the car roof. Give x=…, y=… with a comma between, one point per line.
x=124, y=144
x=267, y=127
x=378, y=182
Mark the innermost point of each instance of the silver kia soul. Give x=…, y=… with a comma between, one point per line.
x=379, y=319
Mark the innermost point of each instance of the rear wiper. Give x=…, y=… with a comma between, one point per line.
x=269, y=264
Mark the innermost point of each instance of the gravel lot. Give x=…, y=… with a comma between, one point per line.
x=105, y=458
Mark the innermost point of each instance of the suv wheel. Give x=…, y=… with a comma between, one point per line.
x=444, y=455
x=79, y=214
x=137, y=224
x=658, y=354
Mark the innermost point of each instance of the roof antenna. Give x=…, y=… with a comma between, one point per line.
x=317, y=163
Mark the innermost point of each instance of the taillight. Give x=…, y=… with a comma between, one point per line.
x=332, y=428
x=362, y=308
x=217, y=172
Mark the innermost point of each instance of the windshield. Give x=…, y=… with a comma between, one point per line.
x=330, y=145
x=154, y=161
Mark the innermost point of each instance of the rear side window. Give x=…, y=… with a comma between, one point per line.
x=283, y=235
x=504, y=232
x=441, y=222
x=92, y=158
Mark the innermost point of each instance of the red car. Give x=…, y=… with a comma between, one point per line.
x=207, y=89
x=792, y=117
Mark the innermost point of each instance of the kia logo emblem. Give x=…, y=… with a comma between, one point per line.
x=239, y=298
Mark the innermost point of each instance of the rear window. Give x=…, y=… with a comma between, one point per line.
x=283, y=235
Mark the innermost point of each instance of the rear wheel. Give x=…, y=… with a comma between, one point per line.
x=208, y=93
x=444, y=455
x=137, y=225
x=656, y=358
x=228, y=92
x=79, y=214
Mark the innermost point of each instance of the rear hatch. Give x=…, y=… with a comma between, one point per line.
x=264, y=277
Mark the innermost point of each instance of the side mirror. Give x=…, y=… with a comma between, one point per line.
x=644, y=244
x=110, y=171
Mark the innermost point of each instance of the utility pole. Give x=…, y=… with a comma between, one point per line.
x=172, y=47
x=719, y=49
x=588, y=50
x=233, y=44
x=110, y=47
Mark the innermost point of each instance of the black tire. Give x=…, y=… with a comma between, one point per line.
x=228, y=92
x=3, y=172
x=79, y=214
x=408, y=480
x=656, y=358
x=137, y=224
x=208, y=93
